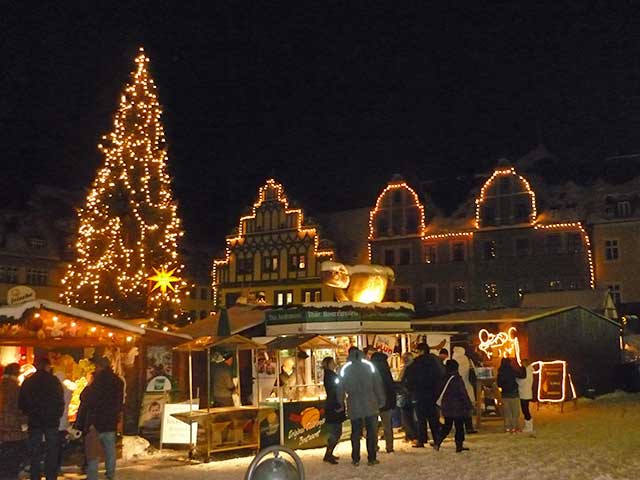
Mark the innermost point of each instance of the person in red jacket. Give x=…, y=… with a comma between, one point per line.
x=98, y=415
x=455, y=405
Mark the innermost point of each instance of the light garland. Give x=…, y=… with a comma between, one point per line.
x=231, y=241
x=394, y=186
x=506, y=343
x=499, y=173
x=585, y=238
x=129, y=222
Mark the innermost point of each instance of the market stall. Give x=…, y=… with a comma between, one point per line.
x=69, y=337
x=290, y=388
x=221, y=428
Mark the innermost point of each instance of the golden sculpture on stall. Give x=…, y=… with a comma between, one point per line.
x=357, y=283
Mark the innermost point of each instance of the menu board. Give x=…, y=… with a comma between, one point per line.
x=552, y=382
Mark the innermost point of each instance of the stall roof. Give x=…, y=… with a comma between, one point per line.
x=203, y=343
x=300, y=341
x=240, y=318
x=498, y=315
x=599, y=300
x=16, y=311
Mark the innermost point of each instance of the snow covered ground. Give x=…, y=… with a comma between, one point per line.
x=598, y=441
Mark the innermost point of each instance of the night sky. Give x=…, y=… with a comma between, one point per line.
x=330, y=97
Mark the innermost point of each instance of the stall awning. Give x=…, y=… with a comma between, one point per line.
x=235, y=341
x=47, y=324
x=300, y=341
x=240, y=318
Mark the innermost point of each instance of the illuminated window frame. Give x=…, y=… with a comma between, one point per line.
x=239, y=238
x=501, y=173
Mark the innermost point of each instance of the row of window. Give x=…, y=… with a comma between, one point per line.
x=35, y=276
x=285, y=297
x=271, y=263
x=522, y=247
x=459, y=292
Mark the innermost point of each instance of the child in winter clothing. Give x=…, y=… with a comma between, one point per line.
x=525, y=391
x=455, y=405
x=510, y=400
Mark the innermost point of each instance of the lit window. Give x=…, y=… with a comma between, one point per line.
x=297, y=262
x=430, y=253
x=490, y=250
x=270, y=264
x=312, y=296
x=459, y=294
x=611, y=251
x=491, y=290
x=555, y=285
x=284, y=298
x=616, y=293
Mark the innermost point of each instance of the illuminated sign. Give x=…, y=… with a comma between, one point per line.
x=502, y=344
x=552, y=383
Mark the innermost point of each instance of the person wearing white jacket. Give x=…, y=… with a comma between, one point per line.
x=525, y=392
x=464, y=367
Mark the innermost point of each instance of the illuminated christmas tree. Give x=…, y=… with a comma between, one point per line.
x=127, y=262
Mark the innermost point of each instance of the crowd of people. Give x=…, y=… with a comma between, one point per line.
x=434, y=393
x=34, y=424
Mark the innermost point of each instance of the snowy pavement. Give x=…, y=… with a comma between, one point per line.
x=598, y=441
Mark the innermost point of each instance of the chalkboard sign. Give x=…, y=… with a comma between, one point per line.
x=553, y=377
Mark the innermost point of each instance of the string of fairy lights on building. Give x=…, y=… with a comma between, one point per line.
x=500, y=172
x=129, y=223
x=280, y=197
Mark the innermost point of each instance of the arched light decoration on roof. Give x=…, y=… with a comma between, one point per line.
x=491, y=183
x=271, y=191
x=398, y=212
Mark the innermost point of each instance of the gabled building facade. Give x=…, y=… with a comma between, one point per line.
x=487, y=259
x=274, y=256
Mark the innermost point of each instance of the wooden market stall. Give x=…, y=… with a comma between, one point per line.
x=295, y=400
x=221, y=428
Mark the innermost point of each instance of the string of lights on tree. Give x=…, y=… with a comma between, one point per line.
x=129, y=228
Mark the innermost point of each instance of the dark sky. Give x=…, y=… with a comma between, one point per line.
x=330, y=97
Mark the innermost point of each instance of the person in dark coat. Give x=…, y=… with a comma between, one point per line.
x=334, y=408
x=42, y=401
x=405, y=403
x=98, y=415
x=13, y=444
x=379, y=359
x=508, y=384
x=455, y=405
x=423, y=380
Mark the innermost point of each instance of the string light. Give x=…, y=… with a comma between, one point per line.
x=395, y=185
x=568, y=226
x=506, y=343
x=447, y=235
x=129, y=222
x=501, y=173
x=239, y=238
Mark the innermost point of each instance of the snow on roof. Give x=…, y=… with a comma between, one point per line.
x=16, y=311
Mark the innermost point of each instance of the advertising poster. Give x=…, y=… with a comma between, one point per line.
x=150, y=422
x=552, y=378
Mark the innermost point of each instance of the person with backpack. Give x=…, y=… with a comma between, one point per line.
x=455, y=404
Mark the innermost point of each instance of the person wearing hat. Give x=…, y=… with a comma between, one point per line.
x=223, y=386
x=98, y=415
x=42, y=400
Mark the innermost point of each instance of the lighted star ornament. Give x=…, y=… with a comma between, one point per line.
x=164, y=280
